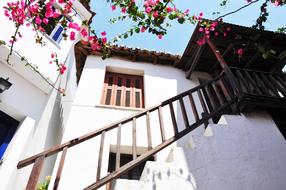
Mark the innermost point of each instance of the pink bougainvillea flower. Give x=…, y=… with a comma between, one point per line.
x=187, y=11
x=104, y=40
x=155, y=14
x=123, y=10
x=148, y=10
x=103, y=33
x=201, y=29
x=113, y=7
x=84, y=32
x=169, y=9
x=240, y=52
x=62, y=68
x=38, y=20
x=45, y=20
x=142, y=29
x=72, y=35
x=160, y=36
x=74, y=25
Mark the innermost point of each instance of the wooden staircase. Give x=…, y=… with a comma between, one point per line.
x=212, y=90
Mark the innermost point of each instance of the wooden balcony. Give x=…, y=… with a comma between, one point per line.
x=256, y=89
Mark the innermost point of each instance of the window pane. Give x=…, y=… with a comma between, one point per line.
x=118, y=98
x=137, y=83
x=128, y=81
x=108, y=97
x=127, y=99
x=110, y=81
x=58, y=33
x=137, y=100
x=119, y=81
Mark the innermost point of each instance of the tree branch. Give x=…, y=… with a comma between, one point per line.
x=235, y=11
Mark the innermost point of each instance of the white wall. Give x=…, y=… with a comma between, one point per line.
x=244, y=152
x=160, y=83
x=30, y=96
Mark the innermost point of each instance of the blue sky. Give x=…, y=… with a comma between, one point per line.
x=178, y=35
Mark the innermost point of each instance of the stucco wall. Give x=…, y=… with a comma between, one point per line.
x=160, y=83
x=243, y=152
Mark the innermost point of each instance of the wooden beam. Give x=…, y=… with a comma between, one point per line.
x=251, y=61
x=226, y=51
x=217, y=53
x=194, y=62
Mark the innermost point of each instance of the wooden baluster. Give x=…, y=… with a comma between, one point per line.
x=211, y=98
x=269, y=85
x=240, y=83
x=149, y=137
x=118, y=145
x=243, y=81
x=134, y=146
x=202, y=101
x=224, y=90
x=218, y=94
x=261, y=84
x=184, y=113
x=35, y=173
x=100, y=155
x=60, y=168
x=279, y=85
x=195, y=112
x=163, y=136
x=175, y=126
x=282, y=80
x=253, y=83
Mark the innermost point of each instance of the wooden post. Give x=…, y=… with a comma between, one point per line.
x=232, y=80
x=35, y=174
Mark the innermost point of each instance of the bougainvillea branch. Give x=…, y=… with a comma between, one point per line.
x=154, y=16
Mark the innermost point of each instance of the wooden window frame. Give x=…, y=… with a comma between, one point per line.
x=133, y=89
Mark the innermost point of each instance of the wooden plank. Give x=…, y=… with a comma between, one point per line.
x=175, y=126
x=194, y=62
x=100, y=155
x=149, y=137
x=184, y=112
x=278, y=85
x=60, y=169
x=118, y=145
x=261, y=84
x=194, y=109
x=129, y=166
x=35, y=173
x=269, y=85
x=162, y=128
x=134, y=146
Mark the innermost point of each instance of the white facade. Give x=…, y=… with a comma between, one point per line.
x=240, y=152
x=229, y=155
x=31, y=100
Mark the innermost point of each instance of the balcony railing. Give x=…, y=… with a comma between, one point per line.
x=256, y=88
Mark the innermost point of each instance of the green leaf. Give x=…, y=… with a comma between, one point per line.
x=265, y=55
x=137, y=30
